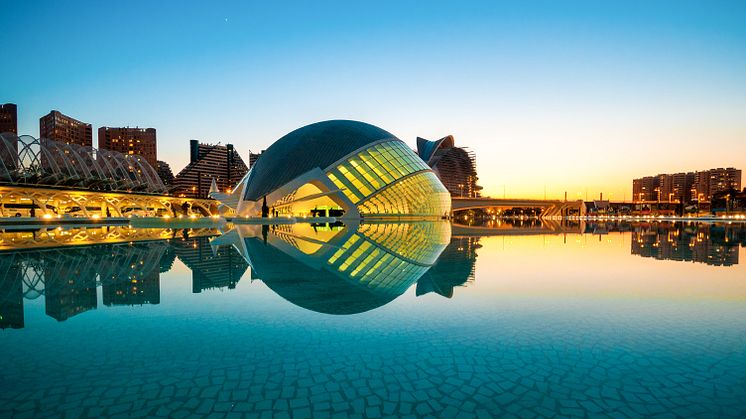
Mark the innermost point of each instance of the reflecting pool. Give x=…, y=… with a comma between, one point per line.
x=372, y=320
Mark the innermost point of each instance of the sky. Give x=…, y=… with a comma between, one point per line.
x=553, y=97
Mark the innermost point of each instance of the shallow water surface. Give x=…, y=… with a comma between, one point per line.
x=375, y=320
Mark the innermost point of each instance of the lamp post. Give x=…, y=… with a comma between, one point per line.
x=461, y=186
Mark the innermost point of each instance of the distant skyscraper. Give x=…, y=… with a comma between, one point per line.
x=128, y=140
x=207, y=162
x=456, y=167
x=60, y=127
x=9, y=118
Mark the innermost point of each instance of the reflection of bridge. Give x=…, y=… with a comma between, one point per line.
x=550, y=208
x=544, y=227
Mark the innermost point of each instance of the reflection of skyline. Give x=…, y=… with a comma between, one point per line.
x=127, y=273
x=716, y=245
x=329, y=269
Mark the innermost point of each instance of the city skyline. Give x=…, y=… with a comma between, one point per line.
x=578, y=99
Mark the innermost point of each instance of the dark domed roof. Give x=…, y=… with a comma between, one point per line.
x=316, y=145
x=319, y=290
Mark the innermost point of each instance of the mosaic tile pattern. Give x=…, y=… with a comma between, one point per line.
x=454, y=364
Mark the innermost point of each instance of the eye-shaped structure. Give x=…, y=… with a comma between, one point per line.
x=339, y=269
x=340, y=168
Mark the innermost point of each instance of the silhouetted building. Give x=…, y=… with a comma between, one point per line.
x=60, y=127
x=454, y=267
x=140, y=141
x=69, y=292
x=686, y=187
x=722, y=180
x=456, y=167
x=208, y=162
x=9, y=118
x=9, y=124
x=222, y=269
x=253, y=158
x=11, y=293
x=703, y=243
x=681, y=187
x=644, y=189
x=136, y=290
x=165, y=173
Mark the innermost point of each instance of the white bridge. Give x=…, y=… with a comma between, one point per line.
x=549, y=208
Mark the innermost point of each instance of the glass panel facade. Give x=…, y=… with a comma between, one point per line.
x=372, y=169
x=420, y=194
x=384, y=257
x=380, y=181
x=420, y=242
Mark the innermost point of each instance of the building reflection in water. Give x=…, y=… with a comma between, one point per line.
x=68, y=277
x=715, y=244
x=712, y=244
x=454, y=267
x=325, y=268
x=222, y=268
x=338, y=269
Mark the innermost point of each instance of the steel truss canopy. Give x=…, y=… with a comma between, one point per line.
x=25, y=160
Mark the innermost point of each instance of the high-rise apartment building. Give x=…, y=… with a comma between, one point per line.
x=9, y=118
x=681, y=186
x=721, y=180
x=60, y=127
x=208, y=162
x=126, y=140
x=645, y=189
x=253, y=158
x=686, y=187
x=165, y=173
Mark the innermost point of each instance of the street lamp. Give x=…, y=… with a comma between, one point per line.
x=461, y=186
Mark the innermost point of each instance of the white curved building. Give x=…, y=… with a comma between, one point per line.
x=339, y=168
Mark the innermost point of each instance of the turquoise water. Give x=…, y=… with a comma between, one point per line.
x=602, y=319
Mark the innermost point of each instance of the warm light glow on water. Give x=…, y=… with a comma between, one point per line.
x=592, y=266
x=579, y=324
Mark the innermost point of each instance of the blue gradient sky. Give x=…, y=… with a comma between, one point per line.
x=567, y=96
